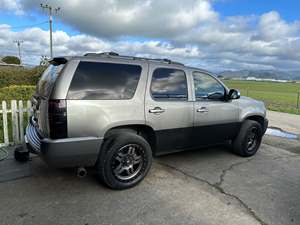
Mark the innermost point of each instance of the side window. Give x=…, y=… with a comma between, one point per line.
x=169, y=84
x=104, y=81
x=207, y=87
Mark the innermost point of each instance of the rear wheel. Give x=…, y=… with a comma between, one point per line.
x=124, y=161
x=249, y=139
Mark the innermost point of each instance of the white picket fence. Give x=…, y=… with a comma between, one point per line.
x=14, y=116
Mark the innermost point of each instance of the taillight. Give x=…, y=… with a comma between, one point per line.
x=57, y=114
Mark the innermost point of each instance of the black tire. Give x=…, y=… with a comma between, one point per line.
x=126, y=152
x=249, y=139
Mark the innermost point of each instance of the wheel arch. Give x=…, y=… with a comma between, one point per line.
x=258, y=118
x=143, y=130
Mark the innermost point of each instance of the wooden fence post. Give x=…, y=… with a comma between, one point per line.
x=14, y=121
x=5, y=124
x=17, y=110
x=21, y=125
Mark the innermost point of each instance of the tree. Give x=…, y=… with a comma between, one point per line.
x=11, y=60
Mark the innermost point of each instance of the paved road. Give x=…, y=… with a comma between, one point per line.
x=285, y=121
x=209, y=186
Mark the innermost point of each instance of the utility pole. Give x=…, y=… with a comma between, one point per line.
x=19, y=42
x=50, y=8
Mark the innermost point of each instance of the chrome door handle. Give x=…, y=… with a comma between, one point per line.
x=202, y=110
x=156, y=110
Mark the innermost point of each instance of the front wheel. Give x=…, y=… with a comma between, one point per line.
x=249, y=139
x=125, y=160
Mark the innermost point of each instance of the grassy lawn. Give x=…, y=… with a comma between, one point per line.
x=277, y=96
x=264, y=85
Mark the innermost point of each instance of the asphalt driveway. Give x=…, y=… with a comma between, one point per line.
x=209, y=186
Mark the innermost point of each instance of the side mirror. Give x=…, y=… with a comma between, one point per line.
x=233, y=94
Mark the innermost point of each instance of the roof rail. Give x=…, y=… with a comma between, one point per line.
x=116, y=55
x=101, y=54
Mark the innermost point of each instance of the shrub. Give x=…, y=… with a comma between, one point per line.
x=11, y=60
x=14, y=92
x=20, y=76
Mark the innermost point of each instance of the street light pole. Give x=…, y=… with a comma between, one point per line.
x=50, y=8
x=18, y=42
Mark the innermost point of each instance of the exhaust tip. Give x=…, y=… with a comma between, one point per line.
x=81, y=172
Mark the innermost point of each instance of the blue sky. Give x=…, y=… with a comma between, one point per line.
x=288, y=9
x=32, y=19
x=212, y=34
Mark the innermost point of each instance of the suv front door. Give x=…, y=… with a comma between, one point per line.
x=215, y=118
x=169, y=108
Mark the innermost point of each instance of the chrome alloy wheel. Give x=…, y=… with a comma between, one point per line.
x=128, y=162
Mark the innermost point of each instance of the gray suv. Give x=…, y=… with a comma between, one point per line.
x=115, y=112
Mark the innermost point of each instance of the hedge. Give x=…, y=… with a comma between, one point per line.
x=19, y=75
x=14, y=92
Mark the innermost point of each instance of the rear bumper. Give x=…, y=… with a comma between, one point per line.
x=67, y=152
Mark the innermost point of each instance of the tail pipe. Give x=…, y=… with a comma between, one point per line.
x=81, y=172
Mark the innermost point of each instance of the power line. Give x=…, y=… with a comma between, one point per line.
x=23, y=26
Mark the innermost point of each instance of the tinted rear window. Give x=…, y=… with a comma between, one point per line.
x=169, y=84
x=48, y=79
x=104, y=81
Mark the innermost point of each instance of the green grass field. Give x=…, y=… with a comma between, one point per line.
x=283, y=97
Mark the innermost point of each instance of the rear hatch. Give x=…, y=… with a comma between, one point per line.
x=43, y=93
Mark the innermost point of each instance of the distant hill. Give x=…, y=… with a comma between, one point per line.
x=262, y=74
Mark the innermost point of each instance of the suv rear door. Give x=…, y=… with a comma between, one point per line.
x=168, y=107
x=43, y=92
x=215, y=118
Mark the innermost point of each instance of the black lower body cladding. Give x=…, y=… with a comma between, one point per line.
x=66, y=152
x=71, y=152
x=172, y=140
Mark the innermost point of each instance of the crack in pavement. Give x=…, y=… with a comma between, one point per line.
x=222, y=176
x=218, y=187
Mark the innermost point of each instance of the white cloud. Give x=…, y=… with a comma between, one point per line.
x=36, y=44
x=190, y=31
x=271, y=27
x=148, y=18
x=11, y=5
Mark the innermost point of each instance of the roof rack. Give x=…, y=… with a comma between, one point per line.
x=116, y=55
x=101, y=54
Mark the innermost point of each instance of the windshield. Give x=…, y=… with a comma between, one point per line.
x=47, y=80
